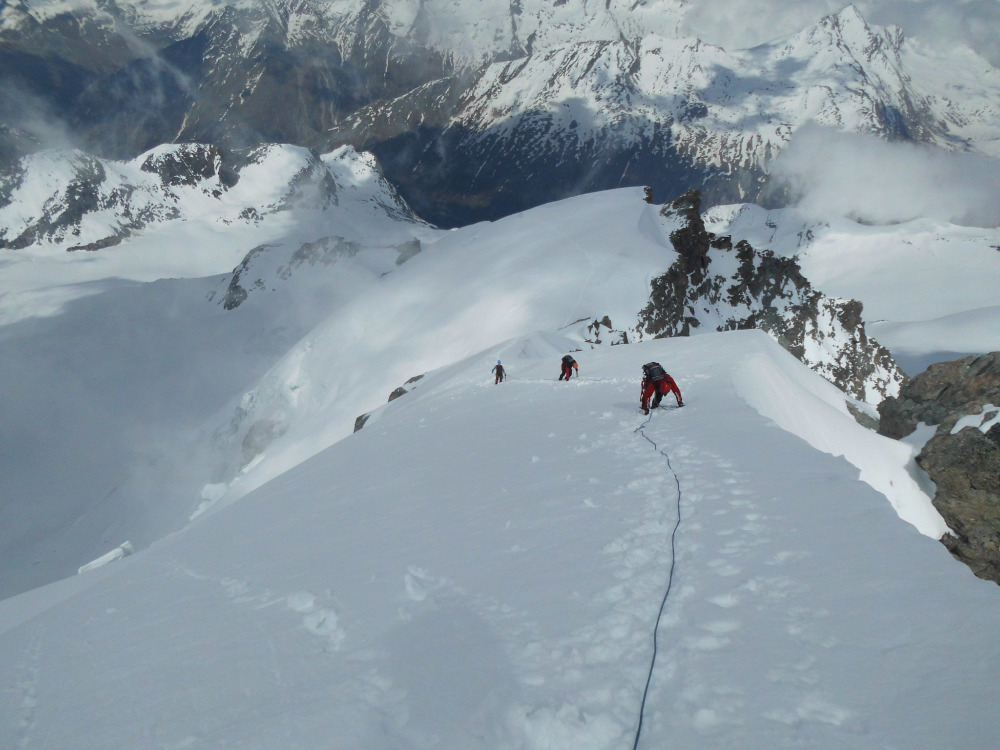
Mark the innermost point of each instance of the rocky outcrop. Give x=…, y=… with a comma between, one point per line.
x=942, y=394
x=716, y=286
x=963, y=457
x=402, y=390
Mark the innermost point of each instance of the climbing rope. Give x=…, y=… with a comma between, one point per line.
x=670, y=579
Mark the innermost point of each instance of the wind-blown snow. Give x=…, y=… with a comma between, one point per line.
x=797, y=404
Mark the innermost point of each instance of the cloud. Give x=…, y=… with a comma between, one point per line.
x=869, y=179
x=33, y=116
x=943, y=22
x=736, y=24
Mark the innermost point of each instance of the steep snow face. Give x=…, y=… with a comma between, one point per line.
x=962, y=88
x=113, y=360
x=486, y=566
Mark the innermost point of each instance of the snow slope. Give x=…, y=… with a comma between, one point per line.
x=483, y=566
x=133, y=400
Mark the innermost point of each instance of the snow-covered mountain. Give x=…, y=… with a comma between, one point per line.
x=479, y=110
x=216, y=532
x=76, y=201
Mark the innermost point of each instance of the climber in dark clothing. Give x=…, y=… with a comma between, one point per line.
x=656, y=383
x=499, y=371
x=568, y=365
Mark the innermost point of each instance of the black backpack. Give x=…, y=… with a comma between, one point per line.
x=568, y=361
x=654, y=371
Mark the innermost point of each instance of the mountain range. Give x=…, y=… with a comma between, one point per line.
x=476, y=112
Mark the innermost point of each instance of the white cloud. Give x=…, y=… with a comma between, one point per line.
x=735, y=24
x=873, y=180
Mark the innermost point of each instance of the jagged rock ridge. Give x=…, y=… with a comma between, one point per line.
x=718, y=287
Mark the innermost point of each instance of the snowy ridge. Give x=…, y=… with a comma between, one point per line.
x=516, y=610
x=481, y=565
x=313, y=318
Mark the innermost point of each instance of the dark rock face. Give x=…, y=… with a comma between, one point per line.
x=944, y=390
x=963, y=459
x=361, y=419
x=766, y=292
x=189, y=165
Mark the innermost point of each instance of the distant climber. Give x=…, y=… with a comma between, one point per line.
x=657, y=383
x=568, y=365
x=499, y=372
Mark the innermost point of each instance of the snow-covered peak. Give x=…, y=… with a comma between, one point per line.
x=844, y=38
x=181, y=212
x=73, y=200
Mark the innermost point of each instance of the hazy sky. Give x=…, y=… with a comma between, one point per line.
x=738, y=23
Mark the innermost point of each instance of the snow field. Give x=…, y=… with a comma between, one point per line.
x=481, y=566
